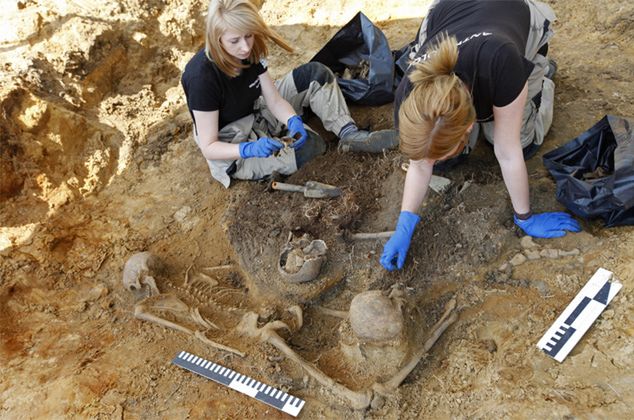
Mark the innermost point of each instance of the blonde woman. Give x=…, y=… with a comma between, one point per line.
x=237, y=109
x=476, y=65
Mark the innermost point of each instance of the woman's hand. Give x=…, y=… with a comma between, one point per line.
x=263, y=147
x=395, y=250
x=296, y=126
x=548, y=225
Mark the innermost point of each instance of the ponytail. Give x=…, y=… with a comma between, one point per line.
x=434, y=118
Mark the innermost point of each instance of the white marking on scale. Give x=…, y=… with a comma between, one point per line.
x=191, y=356
x=222, y=371
x=180, y=355
x=268, y=388
x=285, y=396
x=291, y=409
x=238, y=386
x=232, y=374
x=207, y=365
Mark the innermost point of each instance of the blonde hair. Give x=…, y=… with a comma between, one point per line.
x=241, y=16
x=437, y=113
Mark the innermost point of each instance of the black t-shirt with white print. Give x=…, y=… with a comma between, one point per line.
x=491, y=37
x=209, y=89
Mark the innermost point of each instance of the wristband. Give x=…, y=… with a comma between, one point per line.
x=524, y=216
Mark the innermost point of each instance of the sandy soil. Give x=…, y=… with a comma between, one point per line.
x=97, y=163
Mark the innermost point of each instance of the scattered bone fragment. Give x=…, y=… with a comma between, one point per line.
x=573, y=252
x=439, y=183
x=299, y=315
x=532, y=254
x=518, y=259
x=301, y=258
x=369, y=235
x=527, y=242
x=549, y=253
x=332, y=312
x=294, y=261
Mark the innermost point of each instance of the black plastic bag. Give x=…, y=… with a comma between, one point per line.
x=595, y=172
x=362, y=47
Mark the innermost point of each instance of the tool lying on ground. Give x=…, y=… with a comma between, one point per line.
x=312, y=189
x=578, y=317
x=241, y=383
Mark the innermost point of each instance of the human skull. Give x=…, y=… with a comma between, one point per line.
x=301, y=258
x=138, y=274
x=375, y=317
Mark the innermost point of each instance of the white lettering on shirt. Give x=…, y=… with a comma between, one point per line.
x=426, y=55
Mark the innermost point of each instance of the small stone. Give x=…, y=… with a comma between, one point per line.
x=504, y=267
x=541, y=287
x=527, y=242
x=490, y=345
x=549, y=253
x=532, y=254
x=182, y=214
x=573, y=252
x=518, y=259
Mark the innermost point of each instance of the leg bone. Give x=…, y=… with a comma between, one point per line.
x=141, y=312
x=448, y=318
x=248, y=326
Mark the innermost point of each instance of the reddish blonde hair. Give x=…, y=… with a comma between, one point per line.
x=241, y=16
x=435, y=117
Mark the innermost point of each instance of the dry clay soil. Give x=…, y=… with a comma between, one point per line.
x=97, y=163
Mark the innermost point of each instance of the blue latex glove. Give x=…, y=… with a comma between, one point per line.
x=262, y=147
x=548, y=225
x=396, y=248
x=296, y=126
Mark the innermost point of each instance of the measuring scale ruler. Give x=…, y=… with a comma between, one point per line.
x=241, y=383
x=579, y=315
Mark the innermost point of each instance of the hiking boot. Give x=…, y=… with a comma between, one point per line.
x=369, y=141
x=551, y=70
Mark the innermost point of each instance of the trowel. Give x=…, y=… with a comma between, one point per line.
x=312, y=189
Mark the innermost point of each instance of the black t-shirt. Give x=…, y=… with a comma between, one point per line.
x=491, y=37
x=209, y=89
